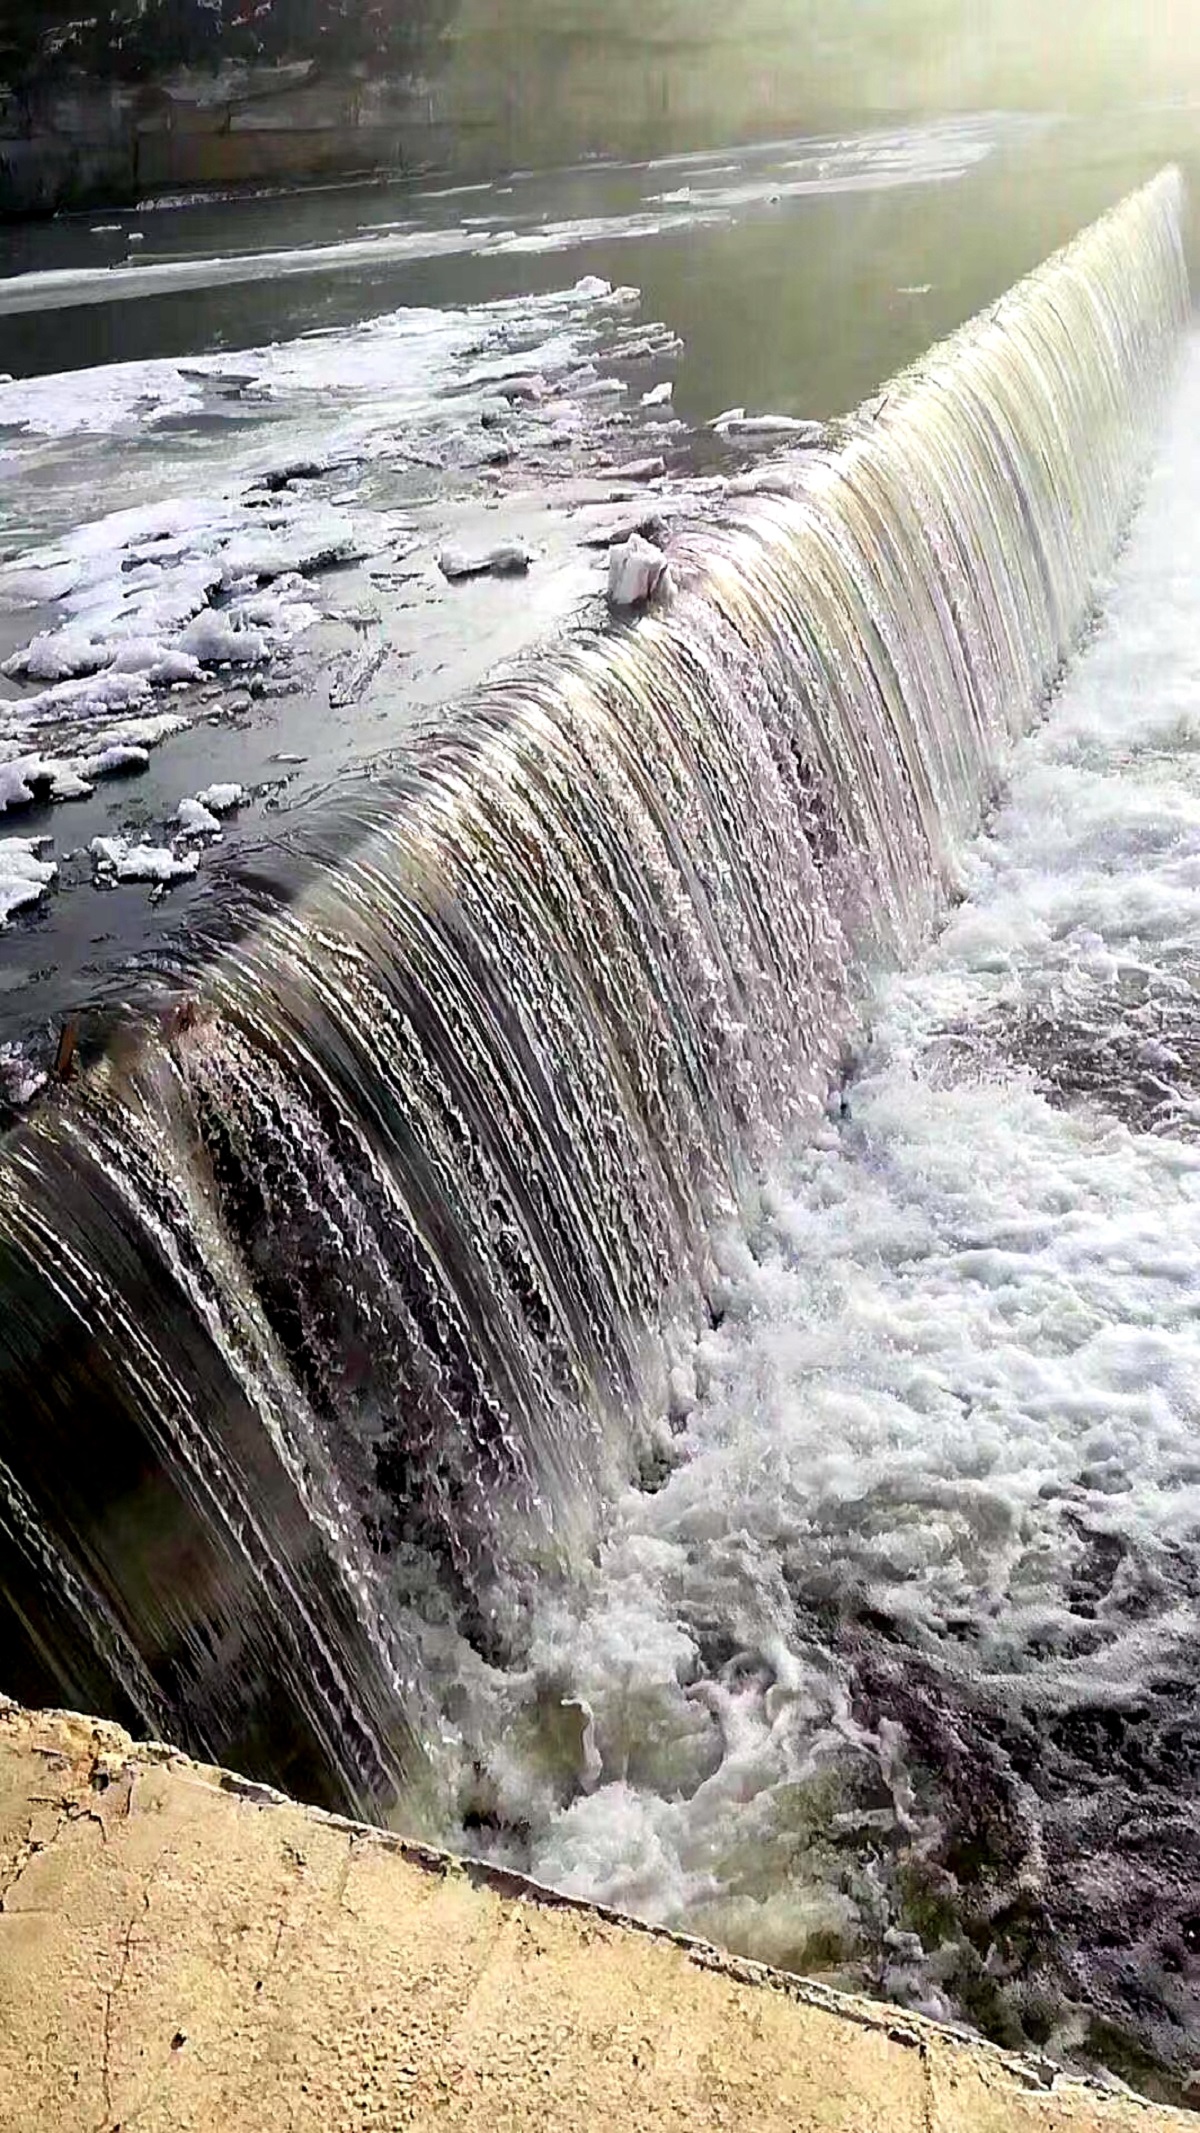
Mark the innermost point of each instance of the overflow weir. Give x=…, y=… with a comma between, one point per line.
x=337, y=1300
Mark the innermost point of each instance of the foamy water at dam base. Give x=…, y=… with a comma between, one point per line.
x=629, y=1302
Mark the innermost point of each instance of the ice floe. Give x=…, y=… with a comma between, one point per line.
x=196, y=820
x=118, y=859
x=24, y=877
x=222, y=799
x=505, y=559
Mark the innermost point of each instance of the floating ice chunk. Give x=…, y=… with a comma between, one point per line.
x=281, y=613
x=659, y=395
x=62, y=780
x=216, y=639
x=143, y=732
x=89, y=697
x=196, y=820
x=116, y=859
x=158, y=662
x=68, y=654
x=15, y=788
x=310, y=542
x=40, y=579
x=508, y=559
x=636, y=570
x=531, y=387
x=592, y=285
x=642, y=470
x=739, y=424
x=765, y=481
x=24, y=878
x=57, y=655
x=112, y=762
x=68, y=781
x=19, y=1080
x=222, y=799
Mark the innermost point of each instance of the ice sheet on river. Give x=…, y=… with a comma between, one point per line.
x=219, y=573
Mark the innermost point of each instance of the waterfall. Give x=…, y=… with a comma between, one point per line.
x=337, y=1297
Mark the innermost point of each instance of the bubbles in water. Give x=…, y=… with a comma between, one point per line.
x=894, y=1678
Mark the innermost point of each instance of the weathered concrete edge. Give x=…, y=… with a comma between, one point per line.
x=114, y=1756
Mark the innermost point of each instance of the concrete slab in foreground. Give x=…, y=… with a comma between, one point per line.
x=179, y=1950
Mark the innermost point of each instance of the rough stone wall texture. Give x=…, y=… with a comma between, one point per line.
x=181, y=1951
x=94, y=144
x=526, y=82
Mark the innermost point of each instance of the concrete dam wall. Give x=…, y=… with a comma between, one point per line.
x=179, y=1950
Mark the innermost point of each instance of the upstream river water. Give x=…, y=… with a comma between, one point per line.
x=171, y=368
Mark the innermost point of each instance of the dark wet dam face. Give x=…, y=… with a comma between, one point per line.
x=337, y=1306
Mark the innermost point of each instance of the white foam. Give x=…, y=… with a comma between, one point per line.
x=961, y=1339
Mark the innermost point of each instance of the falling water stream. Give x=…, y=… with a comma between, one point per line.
x=342, y=1303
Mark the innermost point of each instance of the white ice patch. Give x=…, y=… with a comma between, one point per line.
x=136, y=592
x=153, y=595
x=960, y=1350
x=221, y=799
x=505, y=559
x=15, y=787
x=196, y=820
x=20, y=1080
x=221, y=639
x=390, y=374
x=636, y=571
x=117, y=859
x=26, y=778
x=24, y=876
x=116, y=761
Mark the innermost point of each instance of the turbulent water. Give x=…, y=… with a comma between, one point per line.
x=895, y=1677
x=339, y=1306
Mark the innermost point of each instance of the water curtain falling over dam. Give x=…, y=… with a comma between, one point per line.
x=334, y=1302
